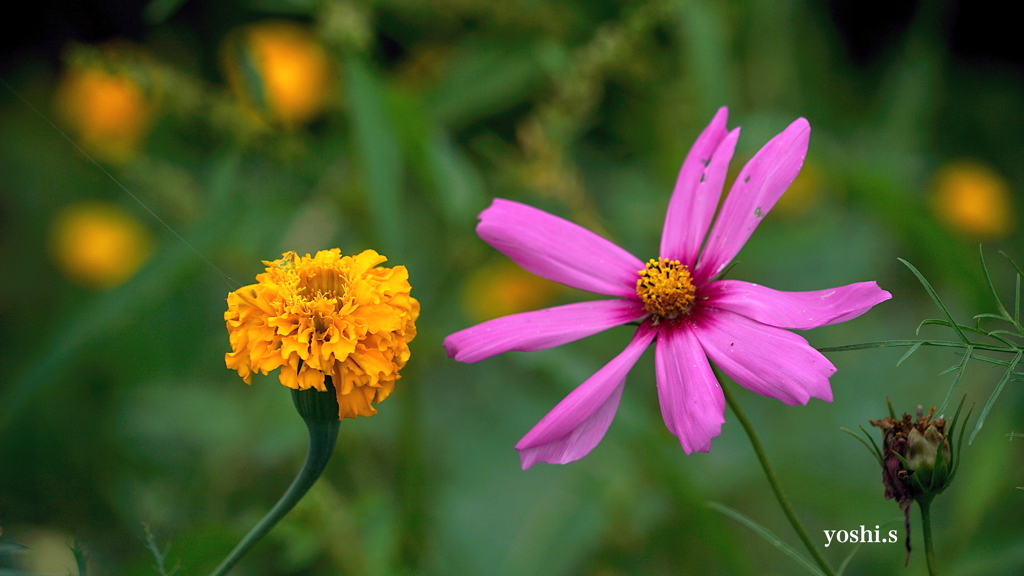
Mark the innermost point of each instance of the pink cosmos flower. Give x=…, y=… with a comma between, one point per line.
x=693, y=318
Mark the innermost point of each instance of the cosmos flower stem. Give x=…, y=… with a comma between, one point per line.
x=926, y=524
x=780, y=495
x=322, y=436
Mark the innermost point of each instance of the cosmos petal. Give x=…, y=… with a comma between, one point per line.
x=540, y=329
x=793, y=310
x=692, y=402
x=697, y=191
x=556, y=249
x=764, y=359
x=572, y=428
x=758, y=186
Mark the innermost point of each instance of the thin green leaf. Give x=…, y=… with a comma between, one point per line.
x=960, y=443
x=767, y=534
x=995, y=336
x=1012, y=263
x=995, y=394
x=948, y=370
x=1008, y=333
x=929, y=321
x=993, y=361
x=885, y=344
x=992, y=287
x=962, y=367
x=888, y=403
x=935, y=298
x=849, y=557
x=952, y=423
x=874, y=451
x=1016, y=302
x=975, y=330
x=872, y=439
x=940, y=469
x=913, y=349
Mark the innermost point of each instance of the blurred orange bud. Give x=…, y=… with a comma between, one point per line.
x=107, y=113
x=278, y=69
x=971, y=197
x=98, y=244
x=504, y=288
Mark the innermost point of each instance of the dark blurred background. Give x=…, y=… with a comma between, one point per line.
x=252, y=127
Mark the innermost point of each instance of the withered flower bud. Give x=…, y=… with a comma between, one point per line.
x=911, y=461
x=916, y=457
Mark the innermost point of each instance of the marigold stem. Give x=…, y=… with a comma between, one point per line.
x=787, y=508
x=926, y=524
x=322, y=436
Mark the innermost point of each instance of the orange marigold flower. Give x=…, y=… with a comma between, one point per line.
x=325, y=315
x=279, y=69
x=108, y=113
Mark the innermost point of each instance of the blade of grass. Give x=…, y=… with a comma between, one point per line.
x=768, y=535
x=380, y=154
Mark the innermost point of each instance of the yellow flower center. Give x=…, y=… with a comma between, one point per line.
x=666, y=288
x=319, y=282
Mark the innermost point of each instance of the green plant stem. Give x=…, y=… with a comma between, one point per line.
x=787, y=508
x=926, y=524
x=322, y=436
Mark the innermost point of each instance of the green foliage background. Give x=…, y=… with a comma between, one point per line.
x=116, y=408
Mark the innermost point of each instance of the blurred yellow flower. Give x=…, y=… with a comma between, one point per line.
x=107, y=113
x=972, y=198
x=325, y=315
x=279, y=69
x=504, y=288
x=98, y=244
